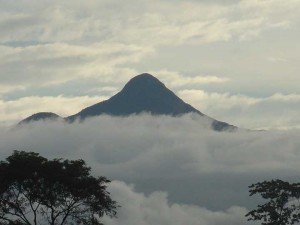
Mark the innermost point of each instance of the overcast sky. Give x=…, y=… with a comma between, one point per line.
x=236, y=61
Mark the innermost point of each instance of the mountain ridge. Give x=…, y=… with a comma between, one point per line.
x=143, y=93
x=45, y=116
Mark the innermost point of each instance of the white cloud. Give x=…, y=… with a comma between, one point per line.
x=138, y=209
x=176, y=80
x=278, y=111
x=49, y=64
x=17, y=110
x=277, y=60
x=155, y=23
x=180, y=156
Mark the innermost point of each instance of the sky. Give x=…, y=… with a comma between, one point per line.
x=236, y=61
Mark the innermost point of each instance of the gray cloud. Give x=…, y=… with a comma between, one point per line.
x=16, y=110
x=52, y=64
x=180, y=156
x=160, y=22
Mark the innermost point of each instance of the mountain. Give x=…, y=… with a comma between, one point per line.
x=144, y=93
x=41, y=116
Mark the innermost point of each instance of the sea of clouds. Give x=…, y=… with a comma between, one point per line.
x=167, y=170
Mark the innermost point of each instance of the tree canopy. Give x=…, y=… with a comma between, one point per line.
x=282, y=206
x=35, y=190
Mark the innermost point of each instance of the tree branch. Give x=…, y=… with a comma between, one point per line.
x=20, y=216
x=17, y=205
x=68, y=211
x=6, y=219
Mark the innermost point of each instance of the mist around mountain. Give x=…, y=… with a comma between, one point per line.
x=142, y=94
x=169, y=164
x=41, y=116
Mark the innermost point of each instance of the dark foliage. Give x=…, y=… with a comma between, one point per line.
x=282, y=207
x=58, y=192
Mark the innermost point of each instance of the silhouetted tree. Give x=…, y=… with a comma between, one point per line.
x=282, y=207
x=35, y=190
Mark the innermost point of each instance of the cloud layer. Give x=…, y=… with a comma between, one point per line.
x=180, y=156
x=139, y=209
x=279, y=111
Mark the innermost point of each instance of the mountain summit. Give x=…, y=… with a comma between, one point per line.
x=144, y=93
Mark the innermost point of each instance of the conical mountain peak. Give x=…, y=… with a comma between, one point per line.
x=144, y=79
x=143, y=93
x=143, y=82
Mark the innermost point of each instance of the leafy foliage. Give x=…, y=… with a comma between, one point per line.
x=283, y=206
x=35, y=190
